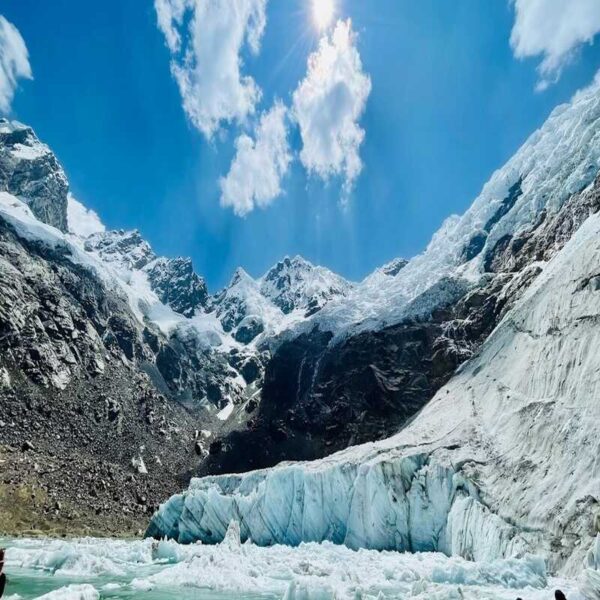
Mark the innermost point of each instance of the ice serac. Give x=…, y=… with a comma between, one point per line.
x=30, y=171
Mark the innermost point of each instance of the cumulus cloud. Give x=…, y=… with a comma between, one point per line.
x=206, y=38
x=14, y=62
x=254, y=178
x=553, y=30
x=328, y=104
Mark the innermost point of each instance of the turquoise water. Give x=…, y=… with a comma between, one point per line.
x=29, y=584
x=39, y=573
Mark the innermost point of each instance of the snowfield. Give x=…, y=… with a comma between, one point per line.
x=88, y=569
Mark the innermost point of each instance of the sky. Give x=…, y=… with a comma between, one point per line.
x=239, y=132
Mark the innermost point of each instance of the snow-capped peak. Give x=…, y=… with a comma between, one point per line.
x=30, y=171
x=121, y=248
x=242, y=304
x=296, y=284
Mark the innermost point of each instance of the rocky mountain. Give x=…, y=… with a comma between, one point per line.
x=177, y=285
x=29, y=170
x=503, y=308
x=361, y=367
x=294, y=284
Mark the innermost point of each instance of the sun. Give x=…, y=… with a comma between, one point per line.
x=322, y=12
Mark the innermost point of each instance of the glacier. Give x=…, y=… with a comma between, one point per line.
x=501, y=463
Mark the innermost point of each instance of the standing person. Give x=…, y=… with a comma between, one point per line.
x=2, y=575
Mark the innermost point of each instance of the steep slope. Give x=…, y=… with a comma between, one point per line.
x=114, y=360
x=502, y=461
x=369, y=360
x=78, y=417
x=29, y=170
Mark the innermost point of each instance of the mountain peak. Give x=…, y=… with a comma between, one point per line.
x=297, y=284
x=121, y=248
x=175, y=282
x=30, y=171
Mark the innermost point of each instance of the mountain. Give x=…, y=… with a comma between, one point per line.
x=365, y=364
x=501, y=459
x=294, y=284
x=116, y=362
x=28, y=169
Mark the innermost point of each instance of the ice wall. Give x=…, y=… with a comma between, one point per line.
x=398, y=502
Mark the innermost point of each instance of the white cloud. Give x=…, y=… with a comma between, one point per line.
x=328, y=104
x=254, y=178
x=14, y=62
x=205, y=38
x=83, y=221
x=554, y=30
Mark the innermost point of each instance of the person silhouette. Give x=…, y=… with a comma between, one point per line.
x=558, y=595
x=2, y=575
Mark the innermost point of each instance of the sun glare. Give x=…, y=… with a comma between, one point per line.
x=322, y=12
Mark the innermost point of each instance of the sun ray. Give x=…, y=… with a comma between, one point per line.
x=323, y=12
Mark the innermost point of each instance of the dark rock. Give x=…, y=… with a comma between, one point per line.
x=29, y=170
x=177, y=285
x=248, y=329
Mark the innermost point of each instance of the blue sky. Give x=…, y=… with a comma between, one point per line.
x=448, y=104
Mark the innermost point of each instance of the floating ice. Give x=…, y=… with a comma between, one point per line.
x=122, y=569
x=72, y=592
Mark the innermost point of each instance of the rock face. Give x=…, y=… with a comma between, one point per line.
x=296, y=284
x=74, y=399
x=177, y=285
x=28, y=169
x=57, y=320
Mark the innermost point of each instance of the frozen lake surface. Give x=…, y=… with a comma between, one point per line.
x=89, y=569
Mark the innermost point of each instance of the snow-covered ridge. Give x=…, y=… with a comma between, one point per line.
x=559, y=159
x=503, y=460
x=29, y=170
x=295, y=284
